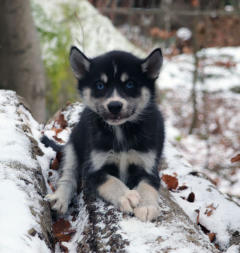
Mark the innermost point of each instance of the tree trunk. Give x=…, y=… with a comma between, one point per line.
x=21, y=67
x=195, y=79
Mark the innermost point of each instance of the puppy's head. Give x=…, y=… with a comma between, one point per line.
x=117, y=85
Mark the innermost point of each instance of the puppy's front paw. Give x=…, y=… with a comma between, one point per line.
x=129, y=201
x=59, y=201
x=147, y=213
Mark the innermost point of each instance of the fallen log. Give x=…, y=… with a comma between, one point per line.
x=194, y=216
x=24, y=216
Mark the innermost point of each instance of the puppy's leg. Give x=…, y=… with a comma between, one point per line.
x=148, y=208
x=116, y=192
x=67, y=183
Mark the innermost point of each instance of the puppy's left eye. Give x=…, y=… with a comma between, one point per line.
x=100, y=85
x=130, y=84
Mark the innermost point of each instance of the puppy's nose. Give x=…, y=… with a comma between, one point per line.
x=115, y=107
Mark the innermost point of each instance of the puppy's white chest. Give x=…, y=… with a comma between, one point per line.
x=145, y=160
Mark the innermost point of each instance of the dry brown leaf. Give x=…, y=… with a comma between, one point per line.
x=61, y=121
x=210, y=210
x=195, y=3
x=182, y=188
x=57, y=130
x=236, y=158
x=191, y=197
x=55, y=164
x=211, y=236
x=58, y=139
x=227, y=64
x=62, y=230
x=170, y=181
x=198, y=215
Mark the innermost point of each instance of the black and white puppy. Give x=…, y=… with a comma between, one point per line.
x=117, y=144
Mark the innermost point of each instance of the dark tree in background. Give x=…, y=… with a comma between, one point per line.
x=21, y=66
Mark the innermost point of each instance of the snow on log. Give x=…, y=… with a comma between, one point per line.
x=216, y=213
x=210, y=221
x=24, y=216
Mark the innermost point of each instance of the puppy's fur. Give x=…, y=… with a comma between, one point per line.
x=117, y=144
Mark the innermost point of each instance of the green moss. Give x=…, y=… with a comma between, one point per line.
x=56, y=40
x=178, y=138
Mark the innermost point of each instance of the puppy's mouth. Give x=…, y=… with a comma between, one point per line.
x=113, y=119
x=116, y=120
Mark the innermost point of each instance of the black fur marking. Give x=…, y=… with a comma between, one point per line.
x=50, y=143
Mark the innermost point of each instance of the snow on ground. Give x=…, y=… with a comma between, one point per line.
x=220, y=68
x=18, y=196
x=216, y=140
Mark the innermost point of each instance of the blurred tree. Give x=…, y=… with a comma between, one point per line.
x=21, y=66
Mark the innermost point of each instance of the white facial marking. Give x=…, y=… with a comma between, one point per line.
x=104, y=78
x=88, y=100
x=115, y=97
x=124, y=77
x=142, y=103
x=145, y=160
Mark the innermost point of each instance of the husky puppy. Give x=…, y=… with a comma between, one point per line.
x=117, y=144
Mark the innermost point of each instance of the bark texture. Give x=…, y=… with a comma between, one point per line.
x=108, y=230
x=21, y=66
x=24, y=170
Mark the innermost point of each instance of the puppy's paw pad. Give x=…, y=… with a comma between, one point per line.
x=133, y=196
x=130, y=200
x=124, y=205
x=146, y=213
x=50, y=197
x=60, y=207
x=59, y=201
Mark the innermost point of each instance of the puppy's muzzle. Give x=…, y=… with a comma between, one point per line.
x=115, y=107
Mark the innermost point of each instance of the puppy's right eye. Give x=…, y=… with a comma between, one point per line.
x=100, y=85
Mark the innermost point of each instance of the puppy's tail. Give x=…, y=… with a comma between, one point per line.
x=50, y=143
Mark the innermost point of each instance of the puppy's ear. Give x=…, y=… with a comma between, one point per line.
x=79, y=62
x=152, y=64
